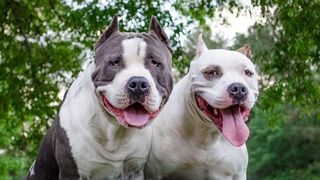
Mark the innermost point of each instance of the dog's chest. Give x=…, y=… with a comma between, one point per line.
x=221, y=162
x=110, y=170
x=215, y=162
x=94, y=162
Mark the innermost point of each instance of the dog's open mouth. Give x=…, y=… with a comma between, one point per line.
x=230, y=121
x=135, y=115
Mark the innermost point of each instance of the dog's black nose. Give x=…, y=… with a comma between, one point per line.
x=238, y=91
x=137, y=85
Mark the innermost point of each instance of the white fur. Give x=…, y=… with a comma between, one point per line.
x=102, y=149
x=31, y=170
x=186, y=144
x=201, y=46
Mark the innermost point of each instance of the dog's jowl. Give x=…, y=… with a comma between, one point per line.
x=101, y=131
x=201, y=132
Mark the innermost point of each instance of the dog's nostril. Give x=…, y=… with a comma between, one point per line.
x=144, y=85
x=132, y=85
x=244, y=89
x=234, y=89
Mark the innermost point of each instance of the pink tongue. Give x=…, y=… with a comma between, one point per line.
x=234, y=128
x=136, y=116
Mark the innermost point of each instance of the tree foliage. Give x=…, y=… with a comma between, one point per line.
x=286, y=123
x=44, y=43
x=291, y=64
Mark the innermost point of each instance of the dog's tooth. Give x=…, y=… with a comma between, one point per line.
x=215, y=111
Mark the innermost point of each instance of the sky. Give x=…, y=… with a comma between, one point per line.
x=235, y=24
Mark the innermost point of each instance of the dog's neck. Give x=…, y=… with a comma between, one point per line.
x=90, y=117
x=195, y=124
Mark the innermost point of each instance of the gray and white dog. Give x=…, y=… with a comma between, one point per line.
x=99, y=131
x=201, y=132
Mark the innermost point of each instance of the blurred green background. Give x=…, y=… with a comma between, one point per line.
x=44, y=43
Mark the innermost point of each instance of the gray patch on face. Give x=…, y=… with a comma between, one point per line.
x=212, y=72
x=162, y=74
x=106, y=57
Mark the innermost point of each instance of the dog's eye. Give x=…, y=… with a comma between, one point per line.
x=115, y=62
x=248, y=73
x=155, y=63
x=212, y=73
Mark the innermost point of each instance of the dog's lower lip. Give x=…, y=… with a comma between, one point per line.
x=107, y=105
x=215, y=114
x=122, y=114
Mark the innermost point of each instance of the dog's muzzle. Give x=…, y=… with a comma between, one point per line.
x=135, y=114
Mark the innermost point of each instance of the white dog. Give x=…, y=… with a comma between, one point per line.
x=201, y=132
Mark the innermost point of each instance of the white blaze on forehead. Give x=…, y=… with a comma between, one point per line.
x=134, y=51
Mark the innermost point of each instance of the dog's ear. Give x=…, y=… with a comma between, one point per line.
x=114, y=27
x=201, y=46
x=246, y=50
x=156, y=28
